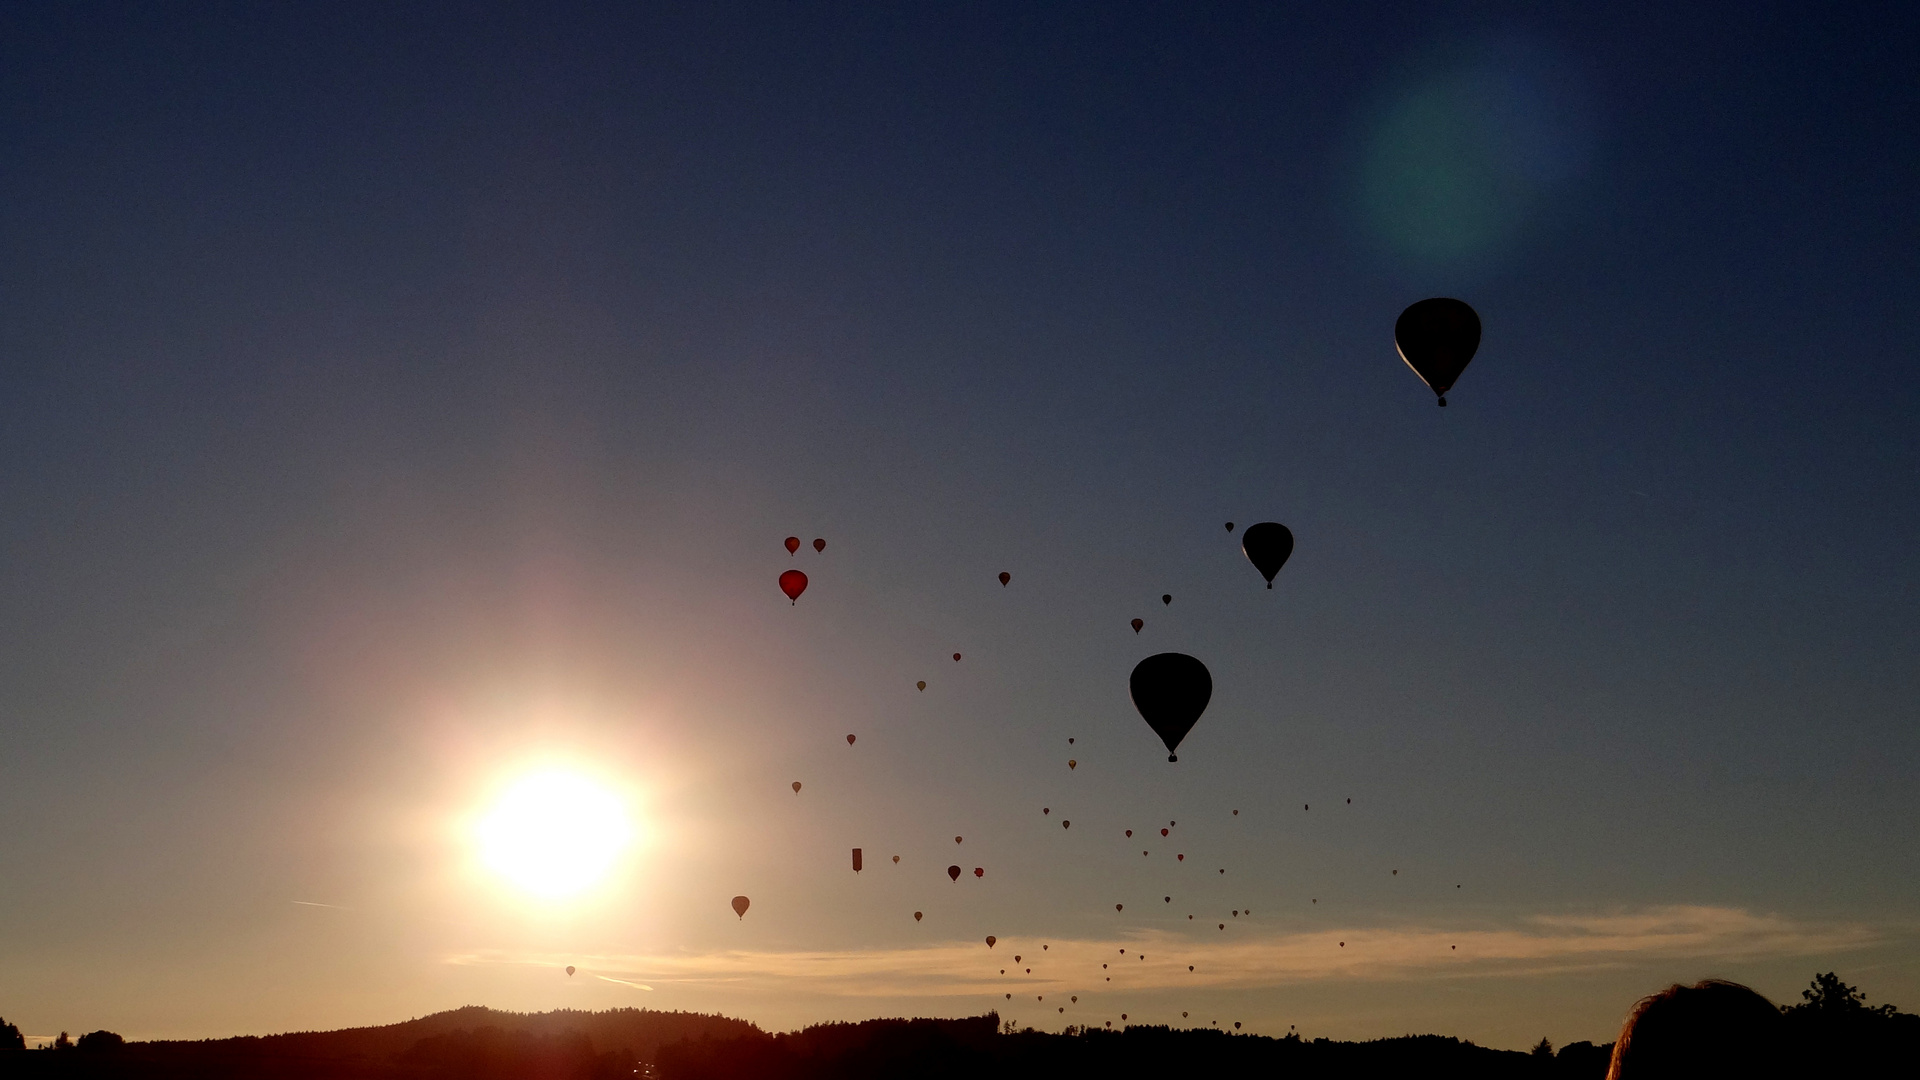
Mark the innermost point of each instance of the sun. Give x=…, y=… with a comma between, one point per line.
x=554, y=834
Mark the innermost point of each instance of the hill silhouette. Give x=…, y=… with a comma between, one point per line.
x=1832, y=1032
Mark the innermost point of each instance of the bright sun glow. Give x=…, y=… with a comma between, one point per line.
x=554, y=834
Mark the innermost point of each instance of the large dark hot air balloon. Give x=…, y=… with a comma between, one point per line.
x=1267, y=546
x=1004, y=578
x=793, y=583
x=953, y=873
x=1171, y=690
x=740, y=906
x=1437, y=338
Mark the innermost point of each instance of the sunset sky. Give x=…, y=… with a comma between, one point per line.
x=400, y=405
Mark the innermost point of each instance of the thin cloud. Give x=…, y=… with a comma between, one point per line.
x=1155, y=960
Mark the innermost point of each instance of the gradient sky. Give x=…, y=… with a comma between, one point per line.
x=395, y=402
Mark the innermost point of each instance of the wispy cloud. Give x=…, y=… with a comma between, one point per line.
x=1157, y=960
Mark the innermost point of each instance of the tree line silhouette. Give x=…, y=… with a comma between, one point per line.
x=1831, y=1031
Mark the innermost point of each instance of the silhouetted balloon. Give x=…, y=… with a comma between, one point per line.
x=1166, y=598
x=1072, y=764
x=793, y=583
x=793, y=544
x=916, y=916
x=896, y=859
x=1437, y=338
x=1170, y=690
x=849, y=740
x=1163, y=832
x=1069, y=740
x=990, y=940
x=819, y=545
x=1229, y=526
x=953, y=873
x=569, y=971
x=1046, y=809
x=740, y=906
x=1117, y=907
x=1137, y=624
x=978, y=872
x=1236, y=1025
x=1004, y=578
x=796, y=787
x=856, y=860
x=1267, y=546
x=1236, y=813
x=922, y=684
x=1066, y=824
x=1129, y=832
x=956, y=658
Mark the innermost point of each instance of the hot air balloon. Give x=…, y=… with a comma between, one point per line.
x=819, y=545
x=1137, y=624
x=1229, y=526
x=569, y=971
x=740, y=906
x=1236, y=1025
x=916, y=916
x=793, y=583
x=1075, y=999
x=1016, y=958
x=1066, y=824
x=1046, y=810
x=796, y=787
x=1170, y=690
x=1117, y=907
x=1069, y=740
x=1004, y=578
x=922, y=684
x=979, y=872
x=1072, y=764
x=990, y=940
x=1166, y=598
x=856, y=860
x=956, y=658
x=1437, y=338
x=1183, y=858
x=1129, y=832
x=1236, y=813
x=1267, y=546
x=793, y=544
x=849, y=740
x=953, y=873
x=896, y=859
x=1163, y=832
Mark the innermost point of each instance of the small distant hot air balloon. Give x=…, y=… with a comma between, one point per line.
x=1229, y=526
x=1046, y=810
x=1267, y=545
x=1075, y=999
x=1004, y=578
x=990, y=940
x=1236, y=1025
x=819, y=545
x=1236, y=813
x=856, y=860
x=1072, y=764
x=793, y=544
x=953, y=873
x=1163, y=832
x=1117, y=907
x=956, y=658
x=793, y=583
x=916, y=916
x=896, y=859
x=1437, y=338
x=922, y=684
x=1137, y=624
x=1166, y=598
x=1069, y=740
x=740, y=906
x=956, y=839
x=569, y=971
x=849, y=740
x=979, y=872
x=1170, y=690
x=1066, y=824
x=796, y=787
x=1182, y=857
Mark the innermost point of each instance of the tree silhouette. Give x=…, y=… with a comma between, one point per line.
x=1543, y=1048
x=10, y=1037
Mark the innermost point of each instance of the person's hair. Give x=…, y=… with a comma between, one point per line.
x=1710, y=1029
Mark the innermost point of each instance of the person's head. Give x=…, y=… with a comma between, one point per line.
x=1709, y=1029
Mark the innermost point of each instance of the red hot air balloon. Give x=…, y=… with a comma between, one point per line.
x=916, y=916
x=953, y=873
x=956, y=839
x=793, y=583
x=979, y=872
x=856, y=860
x=1163, y=832
x=793, y=544
x=990, y=940
x=956, y=658
x=1004, y=578
x=1129, y=832
x=796, y=787
x=740, y=906
x=819, y=545
x=850, y=743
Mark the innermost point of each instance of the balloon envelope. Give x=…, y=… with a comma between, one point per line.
x=793, y=583
x=819, y=545
x=1004, y=578
x=1137, y=624
x=793, y=544
x=1267, y=546
x=1170, y=690
x=1437, y=338
x=856, y=860
x=990, y=940
x=953, y=873
x=740, y=906
x=569, y=970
